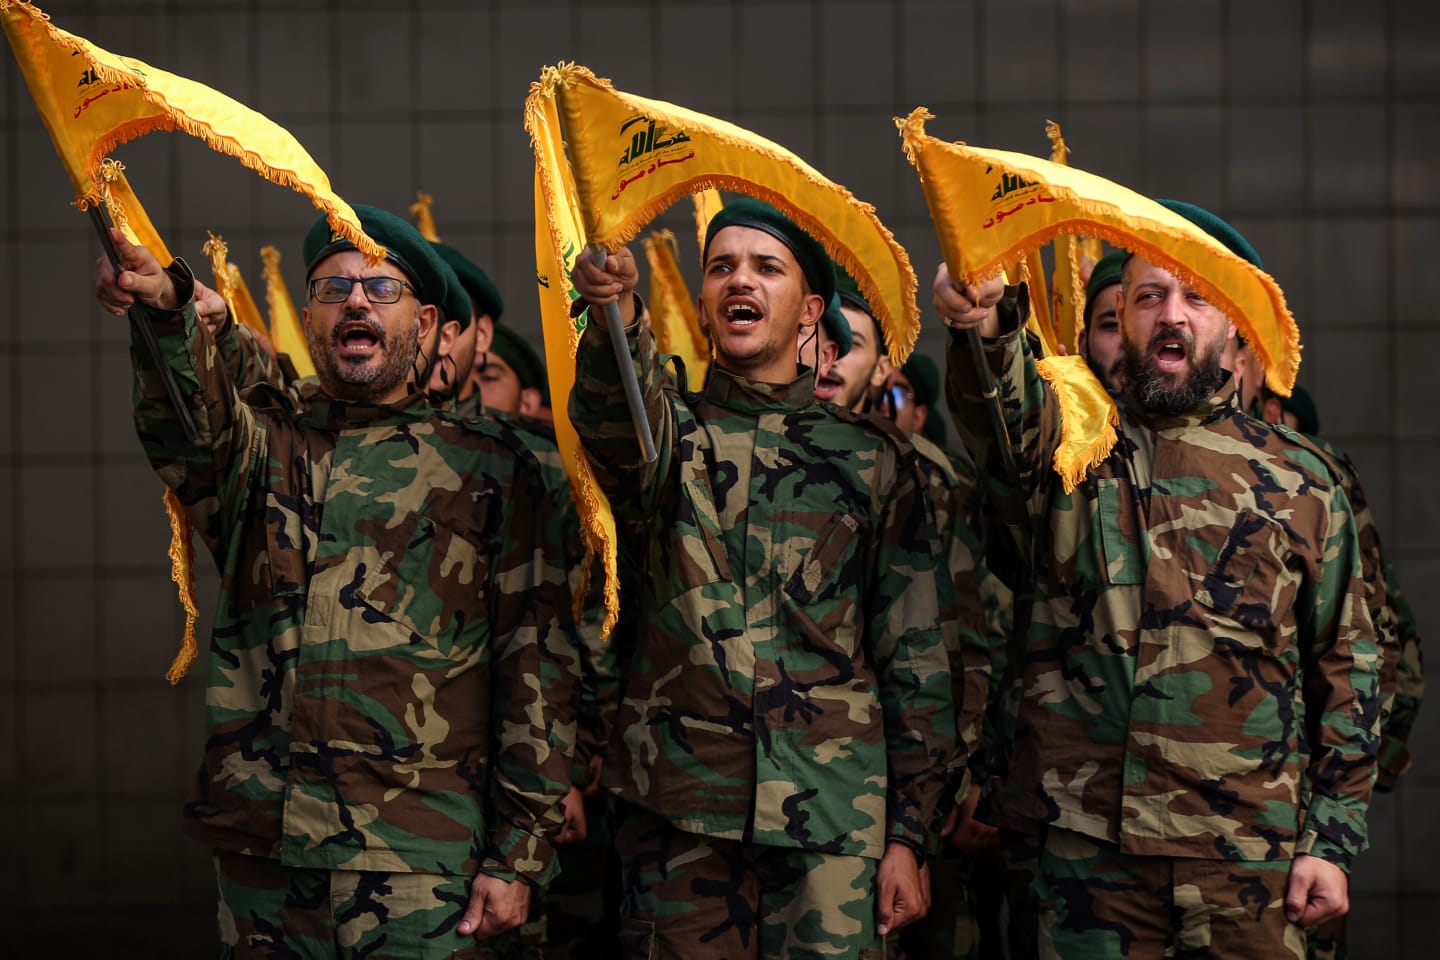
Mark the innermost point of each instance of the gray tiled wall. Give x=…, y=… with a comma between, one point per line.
x=1312, y=125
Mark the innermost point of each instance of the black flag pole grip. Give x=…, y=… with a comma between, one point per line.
x=101, y=218
x=627, y=366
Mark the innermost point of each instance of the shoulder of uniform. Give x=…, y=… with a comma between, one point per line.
x=1309, y=453
x=879, y=427
x=932, y=456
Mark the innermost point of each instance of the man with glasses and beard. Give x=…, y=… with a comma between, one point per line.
x=1197, y=728
x=391, y=672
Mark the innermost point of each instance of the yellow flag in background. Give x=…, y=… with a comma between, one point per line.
x=1067, y=291
x=707, y=204
x=991, y=207
x=672, y=309
x=1040, y=323
x=632, y=157
x=287, y=333
x=91, y=100
x=424, y=219
x=558, y=241
x=231, y=285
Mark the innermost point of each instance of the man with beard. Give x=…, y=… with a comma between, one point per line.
x=1197, y=728
x=787, y=715
x=1100, y=340
x=377, y=743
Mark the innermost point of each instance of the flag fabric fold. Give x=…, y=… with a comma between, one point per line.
x=991, y=207
x=558, y=241
x=1067, y=289
x=1089, y=418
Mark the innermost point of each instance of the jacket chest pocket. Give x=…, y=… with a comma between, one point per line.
x=699, y=556
x=1249, y=580
x=426, y=578
x=1121, y=541
x=831, y=564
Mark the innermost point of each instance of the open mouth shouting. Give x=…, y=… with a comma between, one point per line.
x=358, y=338
x=741, y=313
x=1171, y=350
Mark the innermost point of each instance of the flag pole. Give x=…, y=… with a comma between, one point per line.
x=627, y=367
x=990, y=390
x=100, y=218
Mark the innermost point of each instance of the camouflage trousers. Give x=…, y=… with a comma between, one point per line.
x=275, y=912
x=689, y=896
x=966, y=910
x=1328, y=941
x=1099, y=903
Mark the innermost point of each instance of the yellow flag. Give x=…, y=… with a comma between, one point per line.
x=672, y=309
x=991, y=207
x=287, y=333
x=1067, y=292
x=558, y=241
x=91, y=100
x=424, y=220
x=632, y=157
x=707, y=204
x=1032, y=269
x=1088, y=418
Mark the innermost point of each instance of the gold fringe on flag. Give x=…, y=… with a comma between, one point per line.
x=991, y=207
x=1088, y=417
x=182, y=571
x=91, y=100
x=632, y=157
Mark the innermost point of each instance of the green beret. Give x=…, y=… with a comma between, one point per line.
x=849, y=290
x=483, y=294
x=934, y=429
x=1106, y=274
x=457, y=301
x=924, y=377
x=404, y=247
x=837, y=326
x=758, y=215
x=1302, y=405
x=1217, y=228
x=523, y=359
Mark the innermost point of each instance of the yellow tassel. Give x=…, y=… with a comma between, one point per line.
x=1088, y=417
x=424, y=220
x=182, y=571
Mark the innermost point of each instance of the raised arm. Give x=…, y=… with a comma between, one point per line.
x=210, y=474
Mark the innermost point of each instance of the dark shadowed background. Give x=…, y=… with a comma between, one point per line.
x=1313, y=126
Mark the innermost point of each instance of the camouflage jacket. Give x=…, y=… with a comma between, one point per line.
x=1200, y=676
x=376, y=699
x=974, y=604
x=1402, y=679
x=599, y=683
x=789, y=685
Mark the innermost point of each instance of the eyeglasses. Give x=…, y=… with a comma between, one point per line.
x=377, y=289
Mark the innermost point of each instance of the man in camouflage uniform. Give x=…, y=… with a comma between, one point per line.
x=1402, y=679
x=787, y=717
x=1200, y=684
x=389, y=731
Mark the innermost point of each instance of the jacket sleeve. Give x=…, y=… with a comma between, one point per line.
x=1031, y=418
x=211, y=473
x=534, y=690
x=601, y=417
x=1341, y=677
x=912, y=665
x=1409, y=685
